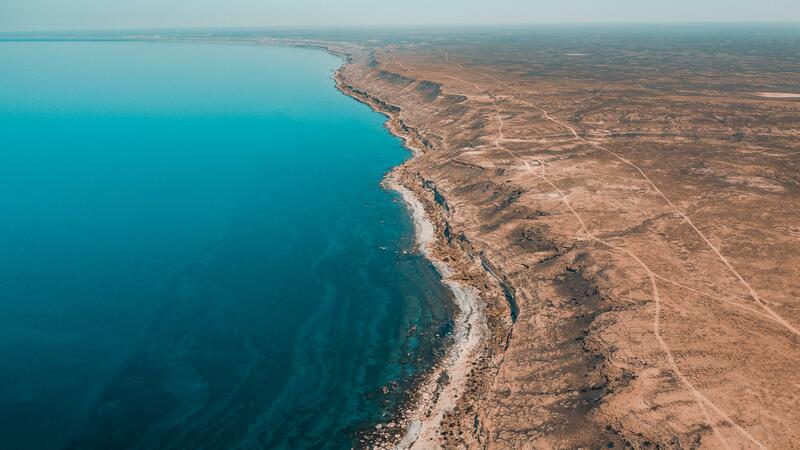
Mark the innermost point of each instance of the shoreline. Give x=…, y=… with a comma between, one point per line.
x=440, y=387
x=433, y=399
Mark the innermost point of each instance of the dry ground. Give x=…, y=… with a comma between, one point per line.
x=641, y=206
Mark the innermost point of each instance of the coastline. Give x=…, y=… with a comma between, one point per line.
x=438, y=389
x=433, y=398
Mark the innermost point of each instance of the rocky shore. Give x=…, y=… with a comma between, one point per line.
x=482, y=324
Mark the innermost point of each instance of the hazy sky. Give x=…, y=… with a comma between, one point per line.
x=18, y=15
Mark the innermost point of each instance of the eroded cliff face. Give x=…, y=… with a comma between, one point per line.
x=632, y=224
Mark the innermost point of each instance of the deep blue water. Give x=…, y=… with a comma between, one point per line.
x=196, y=251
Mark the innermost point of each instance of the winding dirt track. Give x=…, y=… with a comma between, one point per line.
x=702, y=401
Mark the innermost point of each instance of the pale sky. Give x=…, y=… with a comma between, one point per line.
x=43, y=15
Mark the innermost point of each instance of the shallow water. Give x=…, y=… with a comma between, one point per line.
x=197, y=251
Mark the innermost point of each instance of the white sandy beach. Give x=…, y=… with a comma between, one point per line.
x=469, y=328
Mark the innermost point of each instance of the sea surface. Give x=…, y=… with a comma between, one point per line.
x=196, y=251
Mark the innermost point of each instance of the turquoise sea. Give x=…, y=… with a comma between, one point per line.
x=197, y=253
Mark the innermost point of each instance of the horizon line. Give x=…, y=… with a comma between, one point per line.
x=396, y=26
